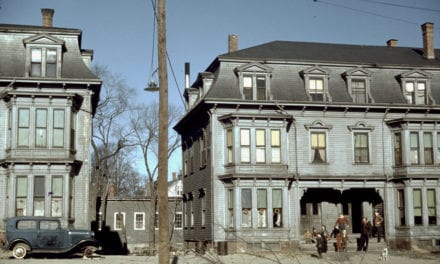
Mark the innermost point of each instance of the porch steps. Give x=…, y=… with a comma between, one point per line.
x=373, y=245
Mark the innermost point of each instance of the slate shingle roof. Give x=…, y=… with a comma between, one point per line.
x=13, y=51
x=335, y=53
x=288, y=59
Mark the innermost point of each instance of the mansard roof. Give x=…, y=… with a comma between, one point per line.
x=335, y=53
x=13, y=40
x=290, y=61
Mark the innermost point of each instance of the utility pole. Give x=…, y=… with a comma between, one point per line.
x=162, y=182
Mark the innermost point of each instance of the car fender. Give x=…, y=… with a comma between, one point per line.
x=11, y=244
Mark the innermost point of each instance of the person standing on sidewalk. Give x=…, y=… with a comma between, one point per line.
x=378, y=225
x=365, y=234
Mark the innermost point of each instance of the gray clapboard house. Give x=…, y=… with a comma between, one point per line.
x=280, y=138
x=48, y=95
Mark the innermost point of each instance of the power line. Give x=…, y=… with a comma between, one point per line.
x=403, y=6
x=367, y=12
x=153, y=3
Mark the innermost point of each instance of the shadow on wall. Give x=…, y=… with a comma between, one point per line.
x=111, y=242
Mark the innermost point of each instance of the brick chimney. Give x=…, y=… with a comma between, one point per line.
x=47, y=16
x=392, y=43
x=232, y=43
x=428, y=40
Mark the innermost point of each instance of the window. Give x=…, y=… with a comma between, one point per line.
x=261, y=87
x=277, y=206
x=178, y=220
x=415, y=92
x=245, y=144
x=316, y=89
x=428, y=148
x=359, y=91
x=191, y=159
x=262, y=207
x=41, y=128
x=318, y=147
x=49, y=225
x=230, y=216
x=414, y=148
x=248, y=87
x=21, y=196
x=361, y=150
x=57, y=196
x=23, y=127
x=254, y=87
x=119, y=220
x=260, y=139
x=401, y=207
x=139, y=221
x=417, y=203
x=358, y=85
x=246, y=208
x=203, y=149
x=229, y=146
x=438, y=146
x=43, y=62
x=432, y=215
x=58, y=128
x=36, y=59
x=39, y=195
x=275, y=145
x=191, y=207
x=398, y=148
x=203, y=207
x=26, y=224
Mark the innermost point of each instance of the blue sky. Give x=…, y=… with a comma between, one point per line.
x=121, y=32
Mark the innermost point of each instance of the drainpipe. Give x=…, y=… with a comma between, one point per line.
x=385, y=191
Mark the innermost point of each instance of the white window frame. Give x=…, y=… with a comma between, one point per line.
x=115, y=227
x=313, y=74
x=361, y=127
x=248, y=76
x=315, y=128
x=414, y=78
x=359, y=74
x=135, y=214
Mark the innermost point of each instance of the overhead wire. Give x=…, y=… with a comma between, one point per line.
x=403, y=6
x=153, y=4
x=368, y=12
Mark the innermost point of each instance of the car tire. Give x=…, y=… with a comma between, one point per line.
x=20, y=251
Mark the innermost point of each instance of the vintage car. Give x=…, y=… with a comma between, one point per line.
x=35, y=234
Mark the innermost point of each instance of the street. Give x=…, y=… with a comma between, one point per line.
x=300, y=258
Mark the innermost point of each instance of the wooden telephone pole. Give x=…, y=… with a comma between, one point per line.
x=162, y=185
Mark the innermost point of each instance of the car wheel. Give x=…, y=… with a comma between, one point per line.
x=20, y=251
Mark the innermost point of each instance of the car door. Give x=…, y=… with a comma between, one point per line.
x=49, y=235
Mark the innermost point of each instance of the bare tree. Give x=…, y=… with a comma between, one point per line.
x=144, y=125
x=109, y=135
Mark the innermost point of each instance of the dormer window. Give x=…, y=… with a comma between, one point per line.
x=358, y=85
x=415, y=92
x=416, y=87
x=316, y=84
x=254, y=81
x=44, y=56
x=43, y=62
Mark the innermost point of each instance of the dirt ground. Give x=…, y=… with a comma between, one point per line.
x=394, y=257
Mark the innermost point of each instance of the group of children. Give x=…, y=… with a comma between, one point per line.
x=321, y=238
x=340, y=233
